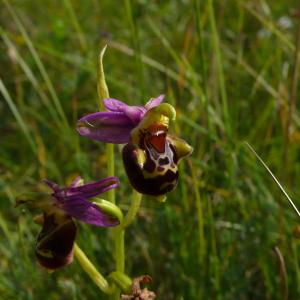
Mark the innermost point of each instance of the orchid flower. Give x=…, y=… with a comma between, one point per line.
x=55, y=242
x=150, y=155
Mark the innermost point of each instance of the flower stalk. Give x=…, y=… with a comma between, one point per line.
x=121, y=280
x=91, y=271
x=103, y=93
x=118, y=234
x=133, y=209
x=110, y=169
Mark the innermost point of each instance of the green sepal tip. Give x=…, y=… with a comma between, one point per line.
x=109, y=208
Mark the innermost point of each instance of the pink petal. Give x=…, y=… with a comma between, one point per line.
x=154, y=102
x=114, y=105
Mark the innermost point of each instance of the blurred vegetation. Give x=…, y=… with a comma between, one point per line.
x=230, y=68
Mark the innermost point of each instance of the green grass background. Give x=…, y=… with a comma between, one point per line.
x=231, y=70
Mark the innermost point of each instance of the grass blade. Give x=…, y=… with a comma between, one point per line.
x=220, y=67
x=17, y=115
x=38, y=61
x=30, y=75
x=274, y=178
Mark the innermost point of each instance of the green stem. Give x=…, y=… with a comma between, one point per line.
x=120, y=249
x=121, y=280
x=110, y=169
x=92, y=272
x=118, y=232
x=119, y=237
x=133, y=209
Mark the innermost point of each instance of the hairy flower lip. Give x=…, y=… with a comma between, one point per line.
x=55, y=242
x=151, y=157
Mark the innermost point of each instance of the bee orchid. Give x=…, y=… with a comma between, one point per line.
x=55, y=242
x=151, y=155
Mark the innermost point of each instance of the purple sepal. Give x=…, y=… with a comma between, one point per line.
x=88, y=190
x=54, y=186
x=109, y=127
x=73, y=200
x=91, y=190
x=114, y=126
x=87, y=212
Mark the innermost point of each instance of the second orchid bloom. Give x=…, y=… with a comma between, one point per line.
x=151, y=155
x=55, y=242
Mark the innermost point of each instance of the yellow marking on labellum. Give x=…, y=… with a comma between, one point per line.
x=183, y=149
x=45, y=253
x=140, y=157
x=159, y=173
x=160, y=198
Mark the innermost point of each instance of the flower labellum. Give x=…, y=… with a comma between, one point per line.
x=54, y=246
x=151, y=157
x=55, y=242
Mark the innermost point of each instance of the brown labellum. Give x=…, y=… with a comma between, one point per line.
x=54, y=247
x=154, y=177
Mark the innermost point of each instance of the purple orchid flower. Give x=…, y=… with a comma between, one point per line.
x=55, y=242
x=115, y=125
x=151, y=155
